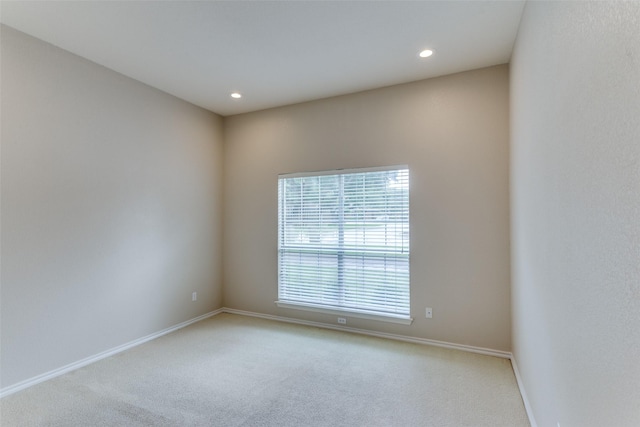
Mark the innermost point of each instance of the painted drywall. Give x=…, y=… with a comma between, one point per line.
x=452, y=132
x=575, y=108
x=111, y=209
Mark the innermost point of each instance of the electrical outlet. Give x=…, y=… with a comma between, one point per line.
x=194, y=296
x=342, y=320
x=428, y=313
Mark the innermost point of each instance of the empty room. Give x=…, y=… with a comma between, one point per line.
x=320, y=213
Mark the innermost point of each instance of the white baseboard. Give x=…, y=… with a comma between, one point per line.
x=469, y=348
x=523, y=393
x=6, y=391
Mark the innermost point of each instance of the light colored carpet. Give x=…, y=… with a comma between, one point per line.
x=233, y=370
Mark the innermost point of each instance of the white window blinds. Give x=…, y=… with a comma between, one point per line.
x=344, y=240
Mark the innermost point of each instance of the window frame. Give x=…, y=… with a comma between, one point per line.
x=340, y=310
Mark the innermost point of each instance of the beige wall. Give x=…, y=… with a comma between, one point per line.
x=576, y=211
x=111, y=211
x=452, y=132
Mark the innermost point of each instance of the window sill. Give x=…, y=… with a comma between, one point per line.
x=345, y=312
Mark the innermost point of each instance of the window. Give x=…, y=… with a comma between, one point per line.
x=343, y=242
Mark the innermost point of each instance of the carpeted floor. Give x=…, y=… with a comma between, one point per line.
x=233, y=370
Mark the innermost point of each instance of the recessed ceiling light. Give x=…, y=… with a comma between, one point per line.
x=236, y=95
x=426, y=53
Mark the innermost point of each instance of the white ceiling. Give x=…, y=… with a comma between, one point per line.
x=273, y=52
